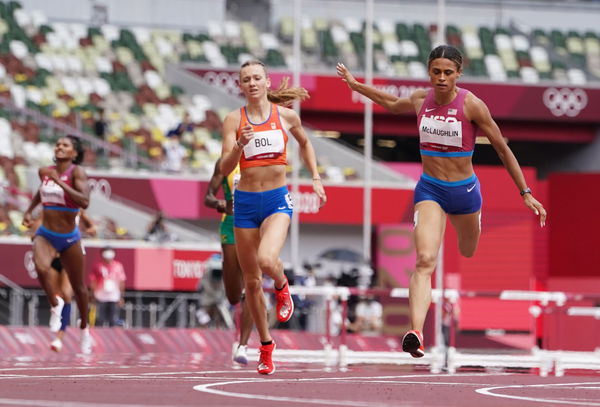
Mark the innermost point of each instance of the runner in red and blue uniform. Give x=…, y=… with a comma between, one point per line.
x=62, y=193
x=449, y=119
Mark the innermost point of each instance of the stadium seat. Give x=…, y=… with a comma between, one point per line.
x=576, y=76
x=495, y=68
x=471, y=43
x=529, y=74
x=286, y=29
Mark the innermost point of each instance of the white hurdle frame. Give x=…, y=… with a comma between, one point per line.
x=438, y=357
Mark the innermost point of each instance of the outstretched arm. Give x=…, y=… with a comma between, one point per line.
x=386, y=100
x=480, y=114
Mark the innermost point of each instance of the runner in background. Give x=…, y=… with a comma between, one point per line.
x=62, y=193
x=233, y=279
x=87, y=228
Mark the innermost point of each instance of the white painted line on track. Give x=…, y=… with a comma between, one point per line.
x=234, y=371
x=54, y=403
x=208, y=388
x=424, y=383
x=13, y=369
x=489, y=391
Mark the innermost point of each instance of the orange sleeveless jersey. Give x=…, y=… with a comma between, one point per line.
x=268, y=146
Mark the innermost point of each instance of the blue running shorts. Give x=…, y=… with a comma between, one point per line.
x=60, y=241
x=252, y=208
x=455, y=198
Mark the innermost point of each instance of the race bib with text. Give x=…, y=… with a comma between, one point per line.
x=52, y=193
x=447, y=133
x=265, y=144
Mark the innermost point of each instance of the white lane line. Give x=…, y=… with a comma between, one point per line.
x=424, y=383
x=54, y=403
x=233, y=371
x=13, y=369
x=489, y=391
x=208, y=388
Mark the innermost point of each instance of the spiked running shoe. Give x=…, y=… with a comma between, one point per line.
x=85, y=341
x=56, y=345
x=285, y=303
x=240, y=355
x=265, y=363
x=56, y=315
x=413, y=344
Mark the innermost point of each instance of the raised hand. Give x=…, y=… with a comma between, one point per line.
x=345, y=74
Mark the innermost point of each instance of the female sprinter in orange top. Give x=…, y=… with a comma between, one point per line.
x=448, y=120
x=255, y=136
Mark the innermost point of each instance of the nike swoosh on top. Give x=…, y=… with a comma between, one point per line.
x=281, y=208
x=470, y=189
x=429, y=110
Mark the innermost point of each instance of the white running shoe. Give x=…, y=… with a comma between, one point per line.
x=86, y=341
x=240, y=355
x=56, y=315
x=56, y=345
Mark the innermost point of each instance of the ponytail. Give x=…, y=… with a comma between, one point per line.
x=284, y=95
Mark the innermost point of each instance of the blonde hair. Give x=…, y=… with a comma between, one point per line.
x=283, y=95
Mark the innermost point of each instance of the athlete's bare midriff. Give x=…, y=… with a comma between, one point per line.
x=59, y=221
x=447, y=168
x=259, y=179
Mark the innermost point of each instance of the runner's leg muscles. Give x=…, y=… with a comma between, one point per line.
x=468, y=228
x=430, y=224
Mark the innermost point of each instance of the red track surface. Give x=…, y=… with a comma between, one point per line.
x=196, y=379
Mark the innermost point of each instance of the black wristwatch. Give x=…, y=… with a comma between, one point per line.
x=525, y=191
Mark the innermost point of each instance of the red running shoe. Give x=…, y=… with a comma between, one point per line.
x=413, y=344
x=285, y=304
x=265, y=363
